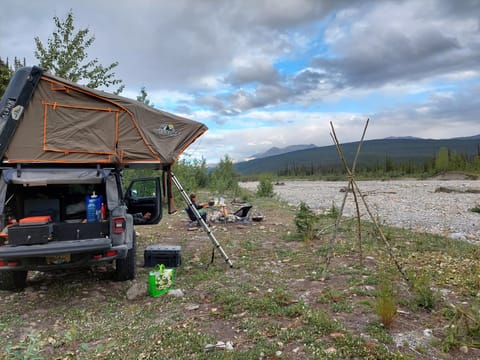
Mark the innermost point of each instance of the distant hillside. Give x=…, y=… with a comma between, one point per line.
x=372, y=152
x=474, y=137
x=279, y=151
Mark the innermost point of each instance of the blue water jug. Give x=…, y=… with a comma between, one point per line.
x=93, y=205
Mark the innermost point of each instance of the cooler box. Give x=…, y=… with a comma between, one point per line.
x=168, y=255
x=31, y=230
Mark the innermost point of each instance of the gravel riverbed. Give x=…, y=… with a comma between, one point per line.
x=416, y=205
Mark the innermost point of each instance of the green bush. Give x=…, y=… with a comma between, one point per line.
x=475, y=209
x=305, y=220
x=386, y=300
x=424, y=296
x=265, y=186
x=224, y=177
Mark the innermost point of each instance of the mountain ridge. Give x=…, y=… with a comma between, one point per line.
x=278, y=151
x=373, y=152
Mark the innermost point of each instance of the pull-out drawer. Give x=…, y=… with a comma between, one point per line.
x=29, y=234
x=80, y=231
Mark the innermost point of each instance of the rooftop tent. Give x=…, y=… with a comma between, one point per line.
x=67, y=123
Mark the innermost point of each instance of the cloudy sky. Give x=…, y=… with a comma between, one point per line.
x=264, y=73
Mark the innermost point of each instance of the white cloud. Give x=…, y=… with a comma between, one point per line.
x=275, y=73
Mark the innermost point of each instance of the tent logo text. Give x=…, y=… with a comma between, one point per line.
x=167, y=130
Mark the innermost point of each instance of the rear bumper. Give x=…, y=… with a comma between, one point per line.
x=82, y=252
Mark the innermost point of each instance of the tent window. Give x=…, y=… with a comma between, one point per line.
x=71, y=129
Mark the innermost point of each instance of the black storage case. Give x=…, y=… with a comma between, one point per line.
x=168, y=255
x=29, y=234
x=80, y=231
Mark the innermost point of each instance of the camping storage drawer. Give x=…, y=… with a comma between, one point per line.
x=80, y=231
x=169, y=255
x=29, y=234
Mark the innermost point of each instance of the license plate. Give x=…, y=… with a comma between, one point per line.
x=58, y=259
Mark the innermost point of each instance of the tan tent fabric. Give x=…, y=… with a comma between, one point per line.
x=72, y=124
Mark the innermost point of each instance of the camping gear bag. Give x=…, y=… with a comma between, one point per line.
x=160, y=280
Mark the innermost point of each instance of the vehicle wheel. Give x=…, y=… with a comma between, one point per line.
x=13, y=280
x=125, y=268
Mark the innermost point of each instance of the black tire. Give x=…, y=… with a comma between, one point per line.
x=125, y=268
x=13, y=280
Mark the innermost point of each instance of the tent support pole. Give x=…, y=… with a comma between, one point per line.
x=200, y=220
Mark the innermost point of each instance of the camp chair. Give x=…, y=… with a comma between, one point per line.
x=192, y=218
x=242, y=214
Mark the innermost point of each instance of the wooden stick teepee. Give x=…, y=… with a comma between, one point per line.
x=354, y=188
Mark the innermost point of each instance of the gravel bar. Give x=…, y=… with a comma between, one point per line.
x=416, y=205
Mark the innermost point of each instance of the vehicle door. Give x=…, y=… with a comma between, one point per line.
x=143, y=200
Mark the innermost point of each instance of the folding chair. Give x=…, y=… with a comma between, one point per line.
x=242, y=214
x=192, y=219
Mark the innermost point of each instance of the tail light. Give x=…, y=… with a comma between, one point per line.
x=107, y=254
x=10, y=263
x=119, y=225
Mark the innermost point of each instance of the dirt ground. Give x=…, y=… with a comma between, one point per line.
x=345, y=294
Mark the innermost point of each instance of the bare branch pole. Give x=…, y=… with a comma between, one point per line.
x=350, y=186
x=356, y=189
x=328, y=256
x=382, y=235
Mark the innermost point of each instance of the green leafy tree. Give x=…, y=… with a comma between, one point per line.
x=224, y=177
x=6, y=72
x=457, y=161
x=265, y=186
x=192, y=174
x=143, y=97
x=65, y=55
x=5, y=75
x=442, y=159
x=389, y=164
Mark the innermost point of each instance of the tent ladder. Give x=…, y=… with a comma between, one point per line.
x=200, y=220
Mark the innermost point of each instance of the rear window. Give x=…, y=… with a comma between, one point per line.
x=63, y=202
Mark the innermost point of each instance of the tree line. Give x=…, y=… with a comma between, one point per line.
x=443, y=161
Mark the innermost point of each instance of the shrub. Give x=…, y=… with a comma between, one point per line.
x=305, y=220
x=265, y=186
x=224, y=177
x=333, y=212
x=424, y=297
x=386, y=302
x=463, y=328
x=475, y=209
